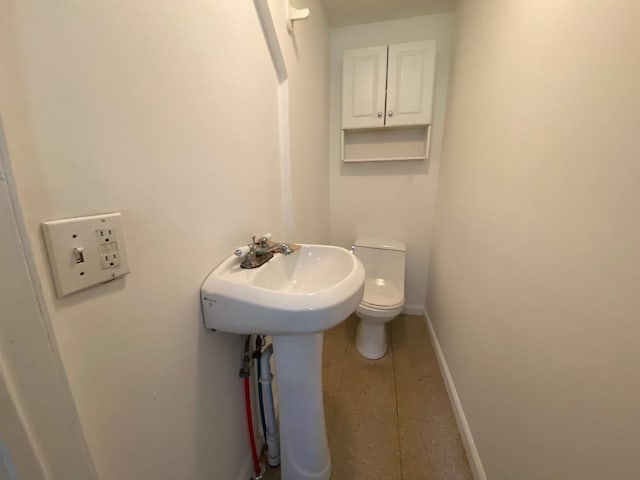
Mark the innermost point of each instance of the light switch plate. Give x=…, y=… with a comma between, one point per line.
x=85, y=251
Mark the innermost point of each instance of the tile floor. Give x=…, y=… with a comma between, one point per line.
x=388, y=419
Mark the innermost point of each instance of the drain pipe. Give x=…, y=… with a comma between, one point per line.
x=273, y=437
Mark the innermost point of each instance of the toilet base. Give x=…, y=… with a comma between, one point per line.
x=371, y=340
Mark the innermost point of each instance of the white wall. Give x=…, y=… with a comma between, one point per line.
x=18, y=451
x=39, y=426
x=389, y=199
x=307, y=55
x=534, y=282
x=40, y=430
x=166, y=111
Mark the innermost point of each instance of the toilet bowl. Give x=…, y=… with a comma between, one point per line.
x=384, y=263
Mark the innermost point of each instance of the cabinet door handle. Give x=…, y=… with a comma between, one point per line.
x=379, y=114
x=390, y=113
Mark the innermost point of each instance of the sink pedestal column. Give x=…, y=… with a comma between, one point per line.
x=303, y=436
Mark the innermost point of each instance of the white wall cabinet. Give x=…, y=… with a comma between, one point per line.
x=363, y=87
x=410, y=78
x=388, y=86
x=387, y=91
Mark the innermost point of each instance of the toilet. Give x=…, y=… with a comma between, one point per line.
x=384, y=264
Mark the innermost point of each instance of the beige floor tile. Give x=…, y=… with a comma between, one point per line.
x=420, y=390
x=368, y=386
x=366, y=448
x=333, y=357
x=423, y=399
x=432, y=451
x=333, y=414
x=388, y=419
x=415, y=359
x=408, y=329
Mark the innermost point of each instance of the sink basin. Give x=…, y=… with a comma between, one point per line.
x=293, y=298
x=310, y=290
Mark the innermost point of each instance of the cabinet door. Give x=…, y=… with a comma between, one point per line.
x=410, y=83
x=364, y=76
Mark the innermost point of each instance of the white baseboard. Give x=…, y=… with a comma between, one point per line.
x=467, y=439
x=413, y=310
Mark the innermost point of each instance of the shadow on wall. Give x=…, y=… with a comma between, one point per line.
x=217, y=402
x=387, y=168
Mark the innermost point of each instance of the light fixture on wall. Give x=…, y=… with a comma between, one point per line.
x=292, y=13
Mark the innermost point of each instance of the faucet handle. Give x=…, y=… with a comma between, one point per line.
x=241, y=251
x=263, y=239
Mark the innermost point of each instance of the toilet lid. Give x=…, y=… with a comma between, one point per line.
x=381, y=293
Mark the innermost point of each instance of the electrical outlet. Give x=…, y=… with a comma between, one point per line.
x=108, y=248
x=106, y=235
x=111, y=260
x=85, y=251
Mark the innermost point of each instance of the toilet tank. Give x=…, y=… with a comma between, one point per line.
x=382, y=259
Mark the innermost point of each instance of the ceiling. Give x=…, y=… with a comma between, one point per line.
x=353, y=12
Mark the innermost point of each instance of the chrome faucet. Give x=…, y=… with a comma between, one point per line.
x=259, y=252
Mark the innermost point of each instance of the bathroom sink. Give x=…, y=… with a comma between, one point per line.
x=293, y=298
x=310, y=290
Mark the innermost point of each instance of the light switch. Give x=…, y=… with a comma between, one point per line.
x=78, y=254
x=85, y=251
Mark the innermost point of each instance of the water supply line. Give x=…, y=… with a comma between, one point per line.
x=245, y=373
x=273, y=437
x=257, y=353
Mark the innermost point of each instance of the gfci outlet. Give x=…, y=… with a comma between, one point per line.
x=108, y=249
x=85, y=251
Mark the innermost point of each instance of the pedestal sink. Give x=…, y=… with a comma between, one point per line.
x=293, y=298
